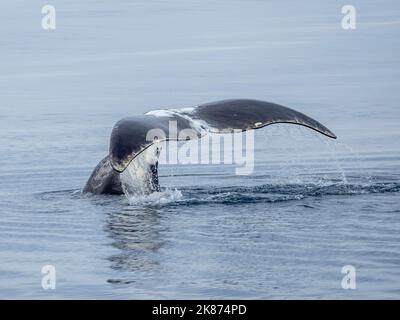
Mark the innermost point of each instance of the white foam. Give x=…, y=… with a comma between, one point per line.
x=156, y=198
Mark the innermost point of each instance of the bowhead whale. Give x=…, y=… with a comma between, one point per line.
x=130, y=146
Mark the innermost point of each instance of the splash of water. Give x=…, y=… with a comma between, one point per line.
x=156, y=198
x=296, y=183
x=137, y=181
x=137, y=178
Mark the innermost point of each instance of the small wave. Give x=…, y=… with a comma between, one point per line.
x=50, y=195
x=271, y=193
x=231, y=195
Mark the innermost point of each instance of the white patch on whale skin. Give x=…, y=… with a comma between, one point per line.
x=187, y=110
x=200, y=126
x=160, y=113
x=171, y=112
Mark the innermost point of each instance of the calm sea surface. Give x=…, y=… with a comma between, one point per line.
x=311, y=206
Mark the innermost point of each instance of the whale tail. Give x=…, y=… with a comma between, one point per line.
x=133, y=169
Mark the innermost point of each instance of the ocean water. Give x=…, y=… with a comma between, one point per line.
x=311, y=206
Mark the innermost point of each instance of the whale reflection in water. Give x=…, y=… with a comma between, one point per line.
x=136, y=234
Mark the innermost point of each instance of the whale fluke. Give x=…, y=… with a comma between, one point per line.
x=245, y=114
x=130, y=136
